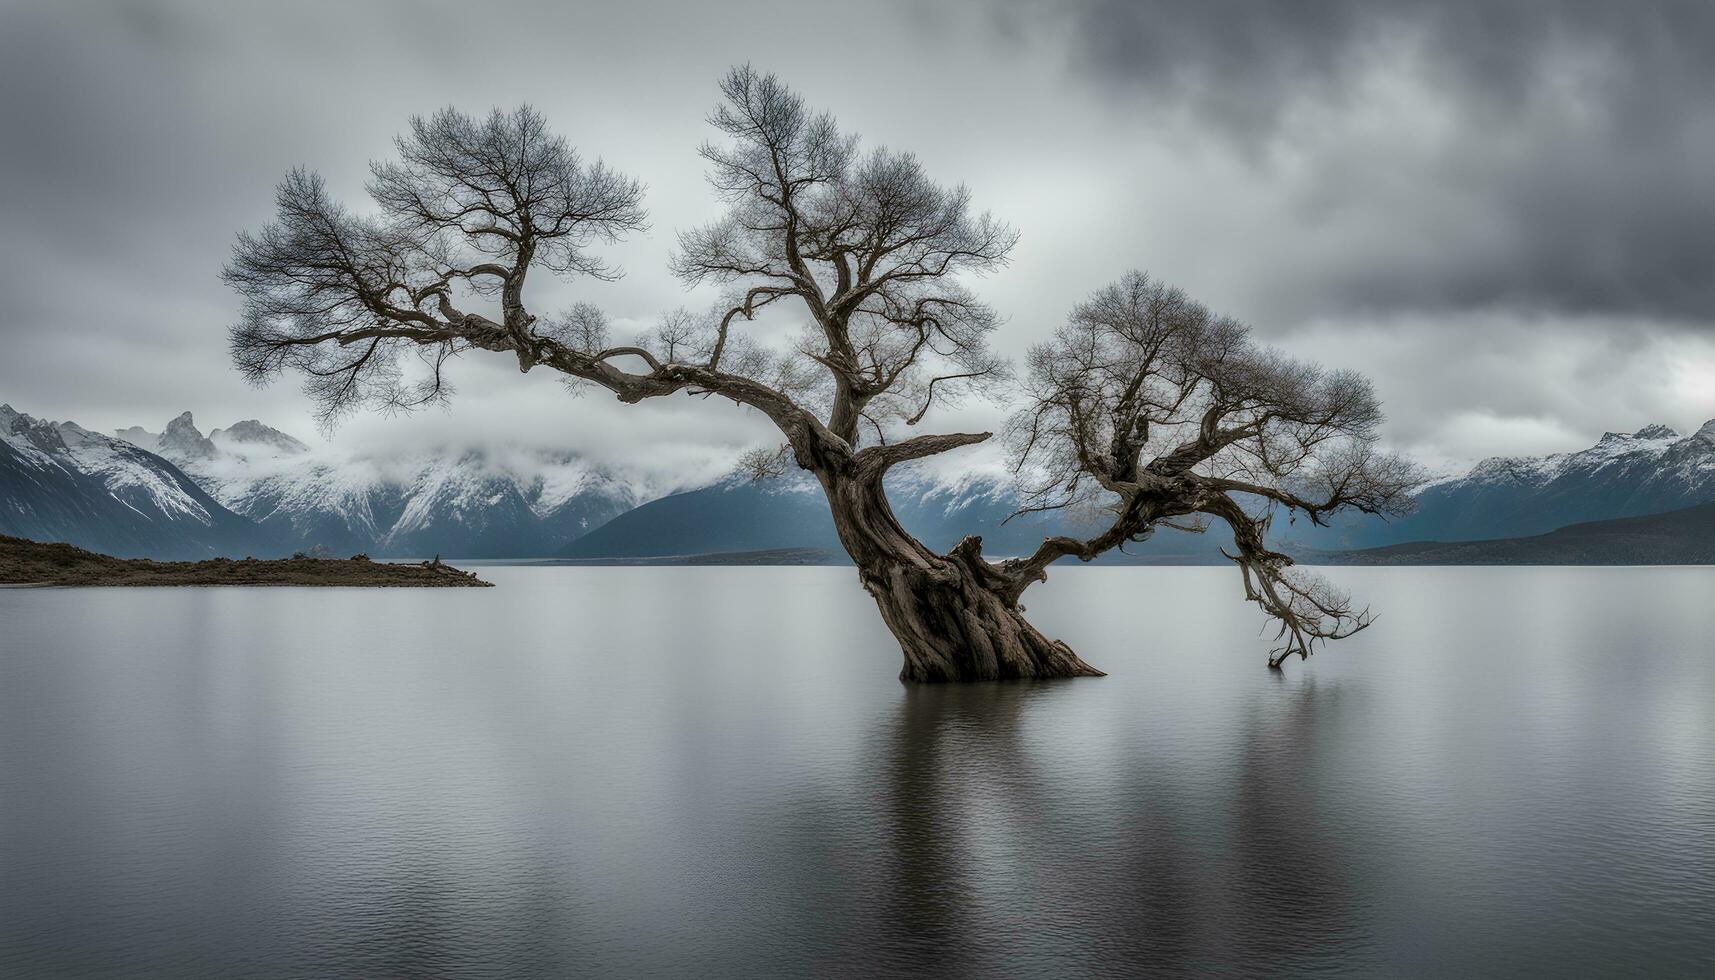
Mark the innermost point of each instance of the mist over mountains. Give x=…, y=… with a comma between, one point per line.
x=498, y=504
x=249, y=488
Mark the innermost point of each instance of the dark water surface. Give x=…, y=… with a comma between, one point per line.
x=712, y=771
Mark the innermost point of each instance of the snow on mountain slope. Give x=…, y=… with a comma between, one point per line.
x=62, y=482
x=1650, y=471
x=255, y=437
x=473, y=504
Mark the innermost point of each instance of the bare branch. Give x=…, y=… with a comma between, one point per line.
x=761, y=464
x=883, y=457
x=1143, y=404
x=867, y=244
x=1148, y=405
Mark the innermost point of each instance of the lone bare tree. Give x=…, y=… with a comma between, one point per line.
x=1144, y=406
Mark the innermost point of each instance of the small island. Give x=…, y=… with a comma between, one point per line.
x=34, y=563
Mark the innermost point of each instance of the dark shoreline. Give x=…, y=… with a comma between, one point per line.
x=27, y=564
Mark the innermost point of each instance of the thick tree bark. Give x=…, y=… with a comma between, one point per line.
x=956, y=616
x=951, y=627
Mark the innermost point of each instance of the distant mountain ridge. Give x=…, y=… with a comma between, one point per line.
x=62, y=482
x=1679, y=537
x=462, y=503
x=1650, y=471
x=252, y=489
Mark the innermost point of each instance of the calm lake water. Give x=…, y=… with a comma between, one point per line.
x=713, y=771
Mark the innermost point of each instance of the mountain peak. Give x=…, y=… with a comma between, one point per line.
x=1656, y=431
x=182, y=441
x=255, y=432
x=41, y=434
x=1707, y=433
x=138, y=436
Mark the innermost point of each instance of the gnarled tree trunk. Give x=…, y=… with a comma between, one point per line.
x=956, y=618
x=951, y=627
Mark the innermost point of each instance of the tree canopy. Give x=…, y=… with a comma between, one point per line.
x=1146, y=405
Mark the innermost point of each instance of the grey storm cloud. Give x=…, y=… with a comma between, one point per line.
x=1574, y=169
x=1428, y=192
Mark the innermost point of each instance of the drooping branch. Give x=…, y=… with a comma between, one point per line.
x=1306, y=608
x=1147, y=406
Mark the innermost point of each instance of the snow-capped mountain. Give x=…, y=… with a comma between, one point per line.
x=181, y=440
x=465, y=503
x=62, y=482
x=1650, y=471
x=252, y=489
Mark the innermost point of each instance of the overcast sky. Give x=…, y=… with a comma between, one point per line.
x=1504, y=213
